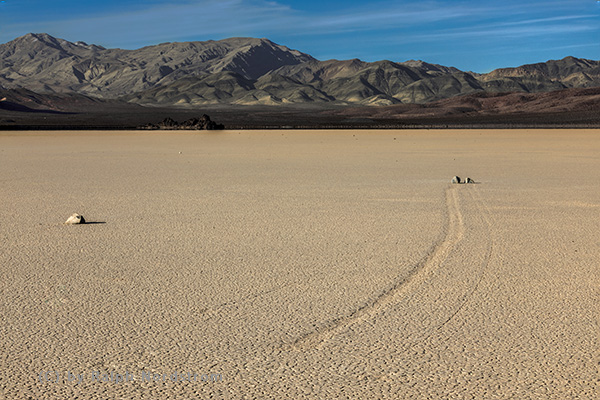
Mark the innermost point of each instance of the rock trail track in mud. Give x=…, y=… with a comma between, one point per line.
x=408, y=286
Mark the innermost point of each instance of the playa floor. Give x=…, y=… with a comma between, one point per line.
x=300, y=264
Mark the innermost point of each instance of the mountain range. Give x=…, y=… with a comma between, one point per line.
x=250, y=71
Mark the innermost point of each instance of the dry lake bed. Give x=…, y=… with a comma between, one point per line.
x=300, y=264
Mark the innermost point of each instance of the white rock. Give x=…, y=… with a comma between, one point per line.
x=455, y=179
x=75, y=219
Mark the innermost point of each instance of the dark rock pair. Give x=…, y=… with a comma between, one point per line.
x=456, y=179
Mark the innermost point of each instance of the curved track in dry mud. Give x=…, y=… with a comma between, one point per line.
x=455, y=231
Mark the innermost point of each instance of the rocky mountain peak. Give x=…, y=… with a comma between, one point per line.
x=244, y=70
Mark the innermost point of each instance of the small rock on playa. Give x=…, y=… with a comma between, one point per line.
x=75, y=219
x=455, y=179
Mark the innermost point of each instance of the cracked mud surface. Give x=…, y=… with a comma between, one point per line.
x=301, y=264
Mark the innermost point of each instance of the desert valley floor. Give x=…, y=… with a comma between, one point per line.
x=300, y=264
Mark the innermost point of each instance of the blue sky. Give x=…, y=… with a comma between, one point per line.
x=471, y=35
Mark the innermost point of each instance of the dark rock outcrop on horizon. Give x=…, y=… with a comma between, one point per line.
x=249, y=71
x=202, y=123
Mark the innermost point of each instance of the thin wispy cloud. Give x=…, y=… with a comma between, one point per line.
x=397, y=16
x=173, y=21
x=513, y=32
x=216, y=18
x=544, y=20
x=575, y=46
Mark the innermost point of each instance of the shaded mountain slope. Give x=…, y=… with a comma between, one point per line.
x=379, y=83
x=43, y=63
x=249, y=71
x=570, y=71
